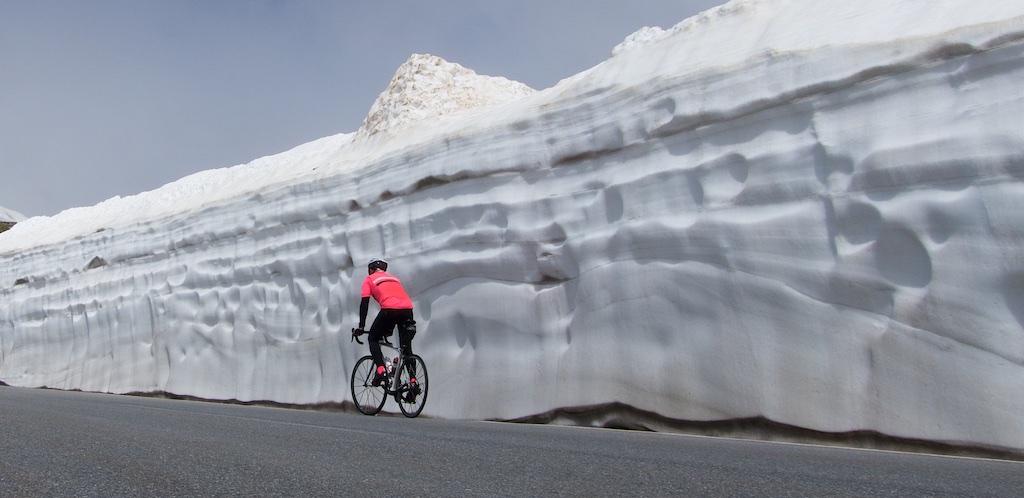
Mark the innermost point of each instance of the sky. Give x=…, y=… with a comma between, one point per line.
x=111, y=98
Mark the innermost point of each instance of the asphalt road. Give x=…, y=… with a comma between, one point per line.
x=55, y=443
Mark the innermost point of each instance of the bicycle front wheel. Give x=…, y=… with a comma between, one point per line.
x=368, y=399
x=411, y=393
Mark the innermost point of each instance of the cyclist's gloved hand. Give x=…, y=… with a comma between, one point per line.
x=356, y=333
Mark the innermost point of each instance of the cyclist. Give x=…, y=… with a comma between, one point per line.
x=395, y=310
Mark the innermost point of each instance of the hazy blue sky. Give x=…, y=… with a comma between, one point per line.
x=101, y=98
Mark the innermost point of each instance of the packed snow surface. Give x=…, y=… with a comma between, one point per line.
x=801, y=210
x=10, y=215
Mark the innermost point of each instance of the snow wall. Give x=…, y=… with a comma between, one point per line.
x=797, y=210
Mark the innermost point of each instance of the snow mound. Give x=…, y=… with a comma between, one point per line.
x=427, y=86
x=643, y=36
x=10, y=215
x=648, y=35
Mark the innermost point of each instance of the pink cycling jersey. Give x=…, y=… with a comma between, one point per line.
x=387, y=290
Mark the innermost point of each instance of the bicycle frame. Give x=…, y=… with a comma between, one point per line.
x=389, y=380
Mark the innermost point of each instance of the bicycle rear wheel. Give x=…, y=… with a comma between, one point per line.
x=411, y=393
x=368, y=399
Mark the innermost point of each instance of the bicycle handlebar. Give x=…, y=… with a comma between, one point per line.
x=358, y=332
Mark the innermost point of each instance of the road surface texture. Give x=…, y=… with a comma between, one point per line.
x=57, y=443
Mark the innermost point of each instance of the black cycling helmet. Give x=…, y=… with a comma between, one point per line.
x=377, y=264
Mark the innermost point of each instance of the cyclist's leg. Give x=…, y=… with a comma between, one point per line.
x=405, y=333
x=383, y=326
x=376, y=332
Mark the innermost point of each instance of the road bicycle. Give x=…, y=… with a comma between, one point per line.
x=406, y=381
